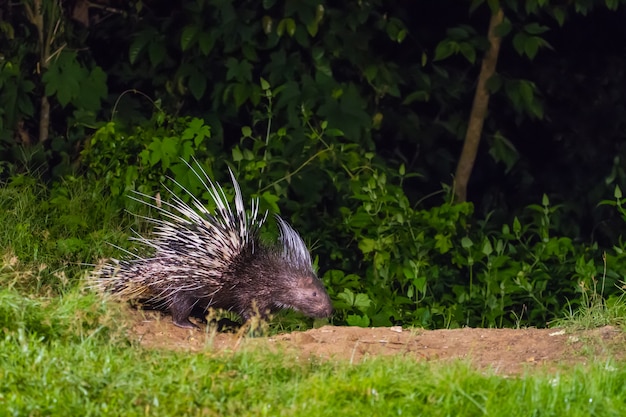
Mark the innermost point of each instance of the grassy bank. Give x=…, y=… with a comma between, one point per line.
x=68, y=356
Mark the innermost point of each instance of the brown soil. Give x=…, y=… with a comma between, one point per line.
x=506, y=351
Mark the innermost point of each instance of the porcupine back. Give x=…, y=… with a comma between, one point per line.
x=215, y=259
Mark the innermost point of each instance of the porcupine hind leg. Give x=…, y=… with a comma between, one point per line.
x=181, y=306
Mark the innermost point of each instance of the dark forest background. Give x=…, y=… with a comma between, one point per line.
x=350, y=119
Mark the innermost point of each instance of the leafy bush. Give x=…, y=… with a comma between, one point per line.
x=436, y=268
x=383, y=260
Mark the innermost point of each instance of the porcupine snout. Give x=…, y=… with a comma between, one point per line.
x=311, y=298
x=307, y=295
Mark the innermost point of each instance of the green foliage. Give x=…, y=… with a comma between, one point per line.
x=434, y=268
x=71, y=82
x=15, y=97
x=46, y=233
x=294, y=46
x=51, y=91
x=463, y=40
x=139, y=157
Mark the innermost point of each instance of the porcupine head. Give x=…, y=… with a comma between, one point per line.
x=274, y=278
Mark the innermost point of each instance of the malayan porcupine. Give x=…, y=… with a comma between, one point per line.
x=203, y=259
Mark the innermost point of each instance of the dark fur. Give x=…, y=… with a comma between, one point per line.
x=259, y=283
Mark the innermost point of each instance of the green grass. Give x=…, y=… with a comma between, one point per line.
x=90, y=378
x=595, y=310
x=48, y=234
x=68, y=356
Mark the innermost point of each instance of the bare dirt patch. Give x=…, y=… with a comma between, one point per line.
x=507, y=351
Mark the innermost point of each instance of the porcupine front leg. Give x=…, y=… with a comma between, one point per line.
x=181, y=307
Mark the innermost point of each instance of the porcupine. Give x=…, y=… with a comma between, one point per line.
x=203, y=259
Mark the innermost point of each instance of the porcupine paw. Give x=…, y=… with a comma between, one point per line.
x=181, y=310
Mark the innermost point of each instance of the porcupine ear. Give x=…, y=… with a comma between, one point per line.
x=294, y=248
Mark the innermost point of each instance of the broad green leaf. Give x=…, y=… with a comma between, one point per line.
x=358, y=321
x=370, y=72
x=25, y=105
x=526, y=91
x=612, y=4
x=401, y=35
x=264, y=84
x=504, y=28
x=519, y=41
x=367, y=245
x=334, y=132
x=93, y=89
x=63, y=77
x=312, y=28
x=206, y=41
x=271, y=200
x=238, y=70
x=517, y=226
x=466, y=242
x=156, y=53
x=559, y=15
x=444, y=49
x=531, y=6
x=241, y=93
x=140, y=42
x=362, y=301
x=468, y=51
x=487, y=248
x=246, y=132
x=416, y=96
x=187, y=36
x=236, y=154
x=286, y=25
x=531, y=46
x=280, y=29
x=535, y=28
x=291, y=27
x=503, y=150
x=197, y=84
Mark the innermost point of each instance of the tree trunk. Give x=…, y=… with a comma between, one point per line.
x=35, y=13
x=479, y=111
